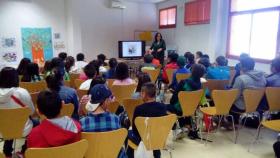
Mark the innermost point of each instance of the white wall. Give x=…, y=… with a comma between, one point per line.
x=209, y=38
x=102, y=26
x=15, y=14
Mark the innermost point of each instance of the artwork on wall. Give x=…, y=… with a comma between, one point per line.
x=58, y=46
x=37, y=44
x=8, y=42
x=9, y=57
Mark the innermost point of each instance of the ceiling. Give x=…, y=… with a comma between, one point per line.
x=147, y=1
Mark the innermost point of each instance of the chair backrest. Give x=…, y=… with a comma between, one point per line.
x=110, y=83
x=223, y=100
x=2, y=155
x=12, y=122
x=153, y=74
x=67, y=110
x=73, y=77
x=189, y=101
x=67, y=83
x=122, y=92
x=32, y=87
x=216, y=84
x=252, y=98
x=78, y=83
x=74, y=150
x=272, y=96
x=81, y=93
x=104, y=144
x=113, y=106
x=155, y=130
x=182, y=76
x=130, y=105
x=169, y=73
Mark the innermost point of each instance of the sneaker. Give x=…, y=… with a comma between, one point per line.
x=19, y=154
x=178, y=134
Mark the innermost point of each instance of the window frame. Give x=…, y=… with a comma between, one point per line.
x=167, y=26
x=230, y=14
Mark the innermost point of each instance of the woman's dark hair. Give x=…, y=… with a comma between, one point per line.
x=80, y=57
x=113, y=63
x=199, y=54
x=9, y=78
x=189, y=57
x=62, y=55
x=205, y=62
x=23, y=66
x=221, y=61
x=96, y=64
x=32, y=73
x=49, y=103
x=142, y=79
x=47, y=66
x=276, y=64
x=57, y=63
x=148, y=58
x=95, y=81
x=157, y=35
x=54, y=80
x=69, y=62
x=90, y=71
x=198, y=71
x=173, y=57
x=122, y=71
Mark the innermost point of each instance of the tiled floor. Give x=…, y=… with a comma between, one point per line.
x=222, y=146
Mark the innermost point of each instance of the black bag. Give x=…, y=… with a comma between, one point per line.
x=251, y=122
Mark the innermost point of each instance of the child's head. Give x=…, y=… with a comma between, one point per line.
x=49, y=104
x=221, y=61
x=80, y=57
x=148, y=91
x=23, y=65
x=54, y=80
x=247, y=64
x=198, y=54
x=275, y=65
x=189, y=57
x=62, y=55
x=101, y=57
x=69, y=62
x=198, y=71
x=172, y=57
x=113, y=63
x=148, y=58
x=90, y=71
x=9, y=78
x=95, y=81
x=122, y=71
x=142, y=79
x=205, y=62
x=181, y=61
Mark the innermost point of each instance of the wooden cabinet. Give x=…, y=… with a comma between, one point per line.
x=197, y=12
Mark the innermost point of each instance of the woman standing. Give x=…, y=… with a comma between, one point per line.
x=158, y=47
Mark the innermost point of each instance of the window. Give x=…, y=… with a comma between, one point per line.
x=167, y=17
x=197, y=12
x=254, y=28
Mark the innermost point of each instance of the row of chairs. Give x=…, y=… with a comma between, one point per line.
x=153, y=131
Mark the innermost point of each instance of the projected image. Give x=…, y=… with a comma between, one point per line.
x=132, y=49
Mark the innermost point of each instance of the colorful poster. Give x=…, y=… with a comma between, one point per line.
x=37, y=44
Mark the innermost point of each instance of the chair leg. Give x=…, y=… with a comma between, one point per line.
x=233, y=126
x=208, y=131
x=238, y=129
x=256, y=137
x=220, y=120
x=15, y=141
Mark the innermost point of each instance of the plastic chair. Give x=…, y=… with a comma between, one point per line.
x=104, y=144
x=155, y=130
x=81, y=93
x=252, y=99
x=67, y=110
x=73, y=77
x=32, y=87
x=74, y=150
x=130, y=105
x=169, y=73
x=182, y=76
x=12, y=123
x=153, y=74
x=122, y=92
x=223, y=101
x=78, y=83
x=216, y=84
x=189, y=101
x=110, y=83
x=113, y=106
x=273, y=95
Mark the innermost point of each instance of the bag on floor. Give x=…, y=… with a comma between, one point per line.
x=251, y=122
x=142, y=152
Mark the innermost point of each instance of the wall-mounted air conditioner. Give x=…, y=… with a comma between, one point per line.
x=118, y=4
